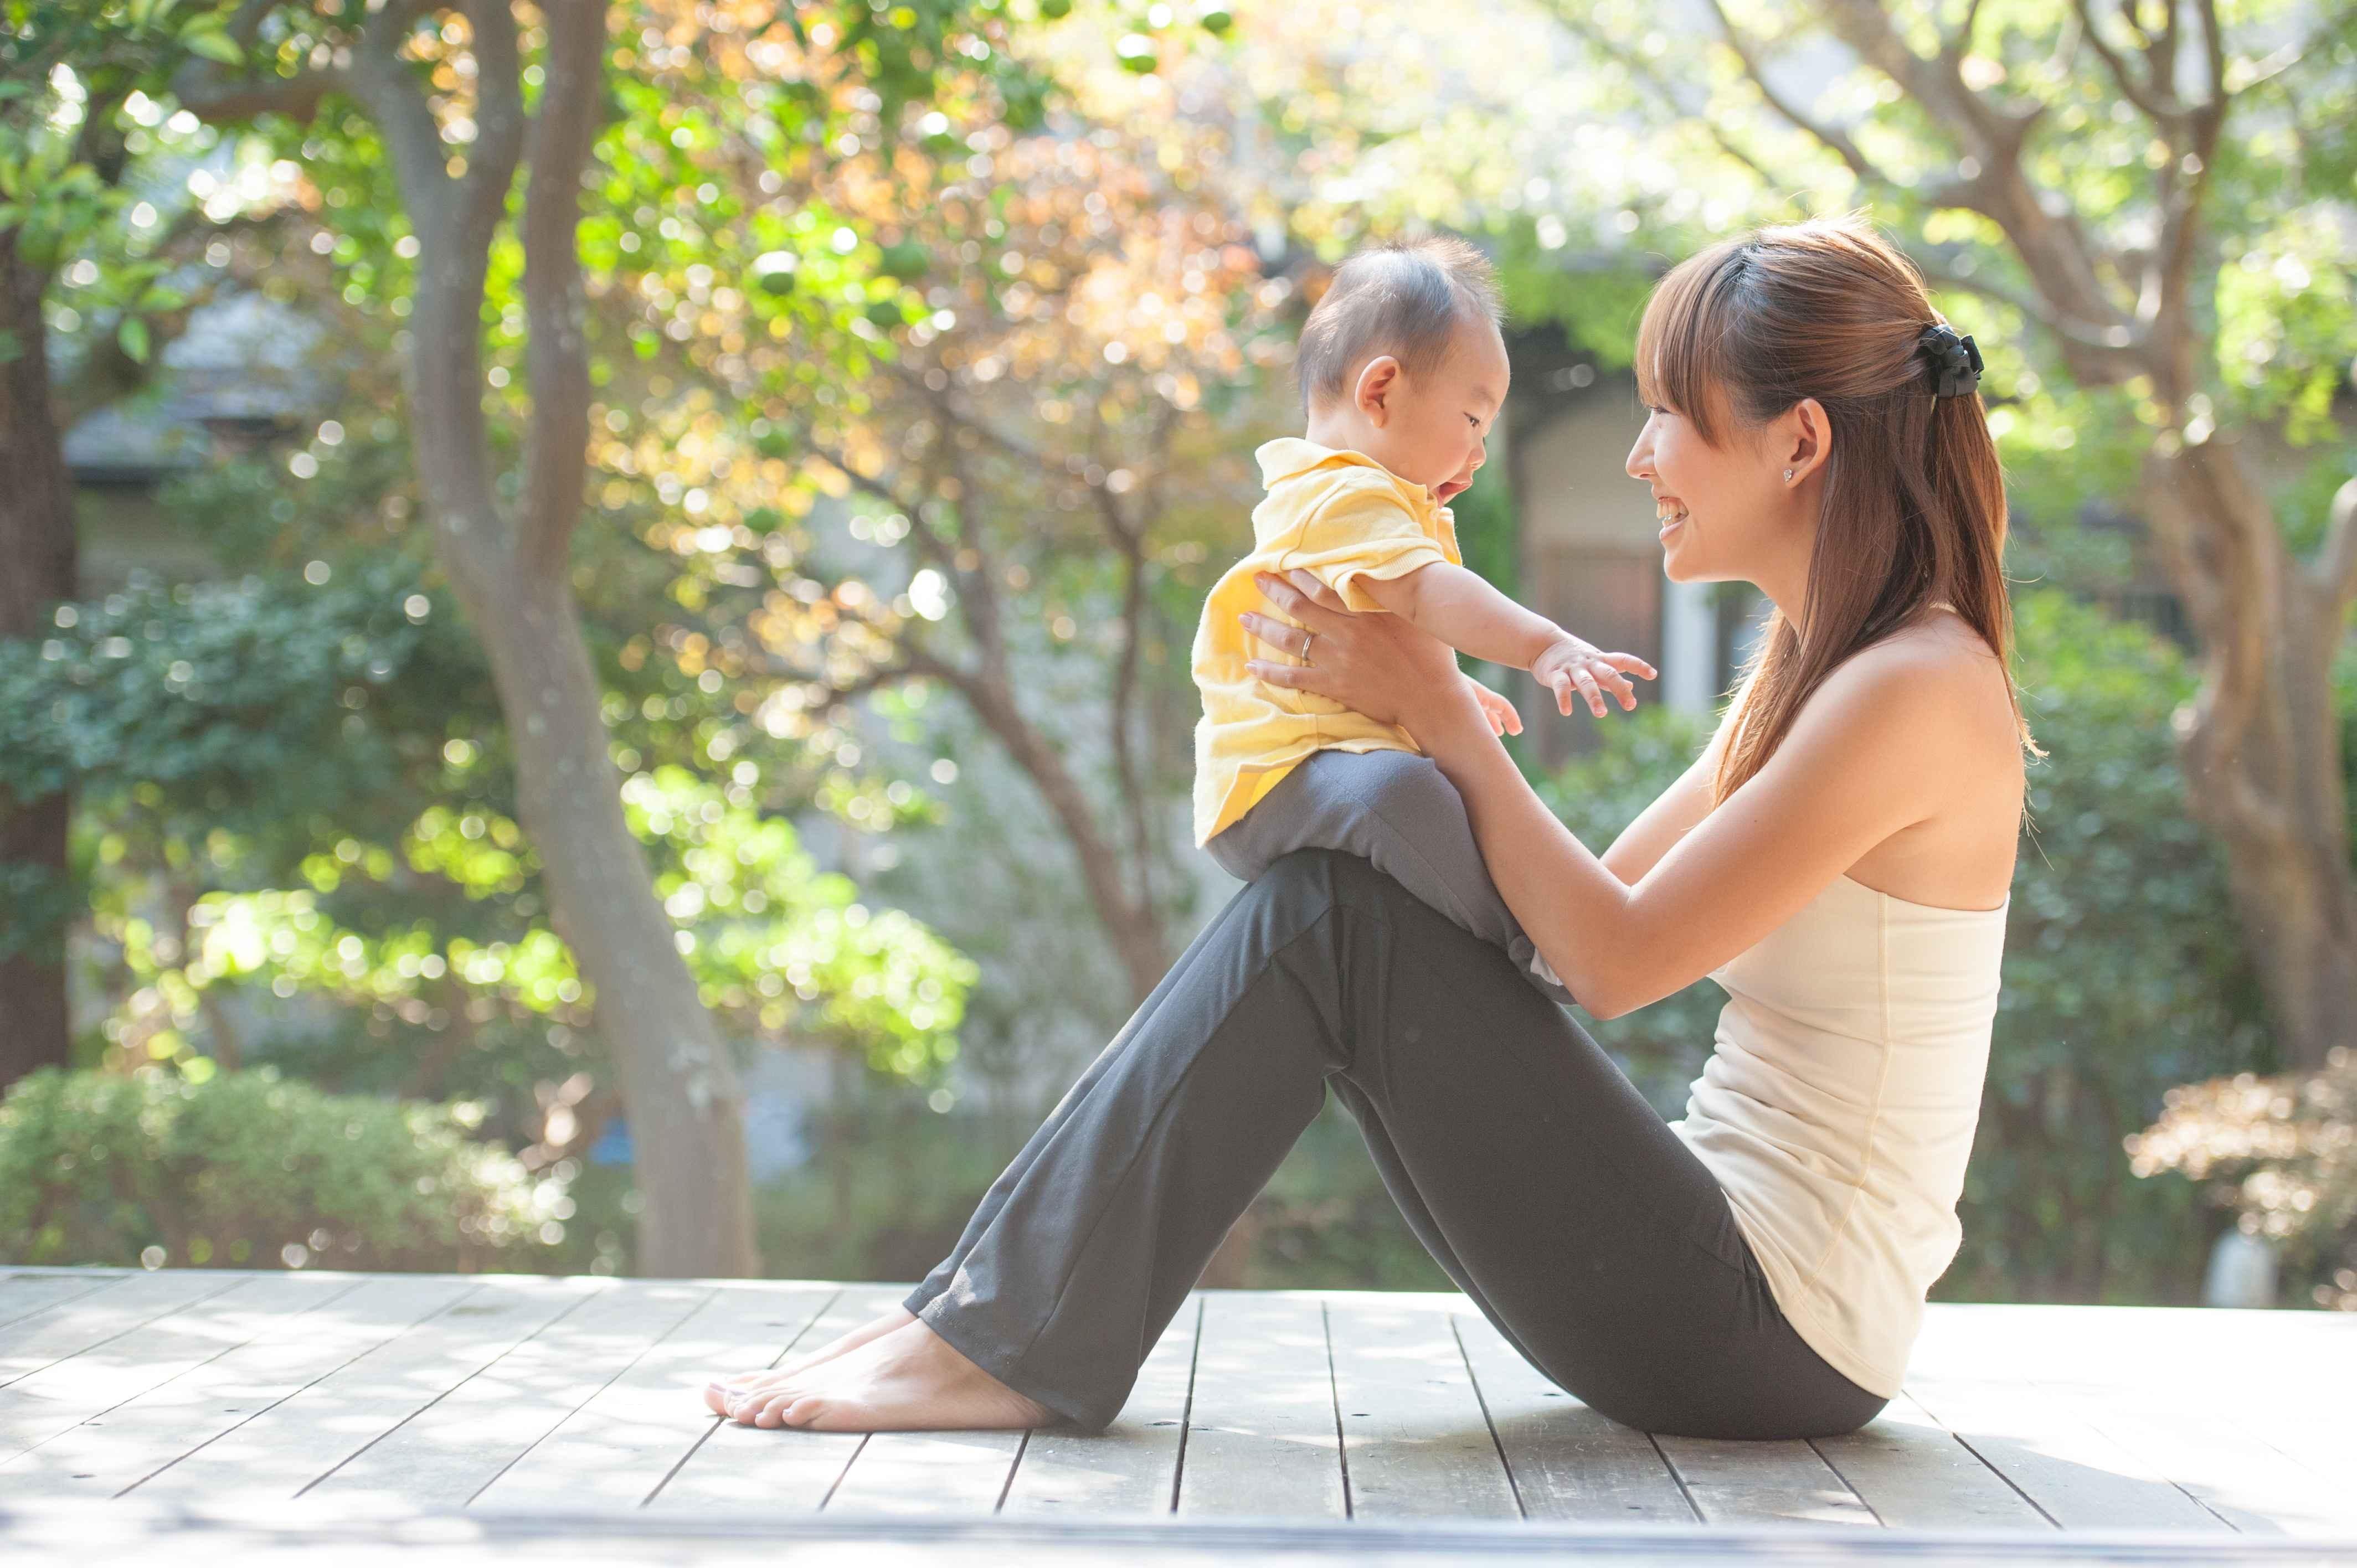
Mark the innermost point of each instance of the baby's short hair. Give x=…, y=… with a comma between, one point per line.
x=1406, y=298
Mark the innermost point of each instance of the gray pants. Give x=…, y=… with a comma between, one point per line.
x=1533, y=1171
x=1398, y=811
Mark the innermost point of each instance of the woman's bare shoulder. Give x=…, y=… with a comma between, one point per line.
x=1939, y=688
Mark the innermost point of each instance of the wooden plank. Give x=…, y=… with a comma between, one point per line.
x=455, y=1447
x=1131, y=1467
x=751, y=1466
x=2321, y=1438
x=2247, y=1482
x=2078, y=1476
x=116, y=1452
x=1742, y=1482
x=620, y=1445
x=1567, y=1462
x=927, y=1474
x=1915, y=1475
x=1415, y=1441
x=72, y=1327
x=1263, y=1438
x=62, y=1395
x=23, y=1295
x=274, y=1456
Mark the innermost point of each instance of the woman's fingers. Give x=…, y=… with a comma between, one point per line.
x=1300, y=595
x=1320, y=594
x=1279, y=674
x=1275, y=633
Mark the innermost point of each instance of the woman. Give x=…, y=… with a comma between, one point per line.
x=1837, y=858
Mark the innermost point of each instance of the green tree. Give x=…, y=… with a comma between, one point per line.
x=430, y=115
x=2135, y=206
x=68, y=68
x=920, y=322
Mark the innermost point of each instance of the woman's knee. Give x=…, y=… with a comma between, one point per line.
x=1403, y=785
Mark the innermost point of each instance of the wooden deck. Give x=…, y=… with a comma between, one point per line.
x=194, y=1411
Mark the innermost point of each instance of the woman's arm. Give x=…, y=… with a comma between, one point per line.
x=1674, y=812
x=1865, y=759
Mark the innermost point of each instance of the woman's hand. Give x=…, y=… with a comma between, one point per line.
x=1504, y=719
x=1379, y=665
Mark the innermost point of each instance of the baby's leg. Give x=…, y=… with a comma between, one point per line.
x=1398, y=810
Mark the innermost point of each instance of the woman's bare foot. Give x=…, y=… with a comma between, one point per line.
x=721, y=1392
x=909, y=1380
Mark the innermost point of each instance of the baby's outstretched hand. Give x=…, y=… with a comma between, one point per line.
x=1571, y=665
x=1502, y=717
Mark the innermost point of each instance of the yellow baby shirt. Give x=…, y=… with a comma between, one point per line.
x=1343, y=517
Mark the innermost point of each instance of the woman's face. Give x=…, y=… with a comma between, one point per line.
x=1723, y=509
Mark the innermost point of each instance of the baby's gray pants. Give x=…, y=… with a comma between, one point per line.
x=1398, y=810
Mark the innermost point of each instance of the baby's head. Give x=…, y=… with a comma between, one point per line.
x=1401, y=360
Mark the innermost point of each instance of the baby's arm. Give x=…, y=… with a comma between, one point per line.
x=1464, y=610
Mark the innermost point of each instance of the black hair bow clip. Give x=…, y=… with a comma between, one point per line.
x=1955, y=361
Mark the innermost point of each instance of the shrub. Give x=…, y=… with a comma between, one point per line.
x=247, y=1169
x=2282, y=1152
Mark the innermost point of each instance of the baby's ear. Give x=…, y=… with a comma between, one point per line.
x=1378, y=380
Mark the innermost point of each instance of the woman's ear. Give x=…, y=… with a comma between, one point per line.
x=1804, y=440
x=1378, y=380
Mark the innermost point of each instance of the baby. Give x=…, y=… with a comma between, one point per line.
x=1402, y=373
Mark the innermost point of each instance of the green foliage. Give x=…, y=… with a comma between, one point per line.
x=318, y=768
x=248, y=1170
x=776, y=946
x=247, y=700
x=68, y=70
x=2279, y=1151
x=2123, y=976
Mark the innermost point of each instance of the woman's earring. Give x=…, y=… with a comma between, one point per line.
x=1788, y=475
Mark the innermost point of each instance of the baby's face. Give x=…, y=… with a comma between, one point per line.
x=1438, y=432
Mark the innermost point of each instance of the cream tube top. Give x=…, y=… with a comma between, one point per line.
x=1838, y=1111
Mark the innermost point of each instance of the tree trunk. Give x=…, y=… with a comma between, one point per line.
x=38, y=565
x=2261, y=743
x=508, y=562
x=678, y=1083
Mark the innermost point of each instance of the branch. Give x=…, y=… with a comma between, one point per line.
x=1831, y=136
x=2081, y=335
x=2054, y=248
x=500, y=120
x=2142, y=94
x=1576, y=22
x=1959, y=43
x=380, y=79
x=557, y=348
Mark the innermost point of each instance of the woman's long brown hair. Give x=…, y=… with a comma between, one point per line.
x=1914, y=507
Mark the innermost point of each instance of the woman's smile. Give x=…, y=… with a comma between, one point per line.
x=1670, y=511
